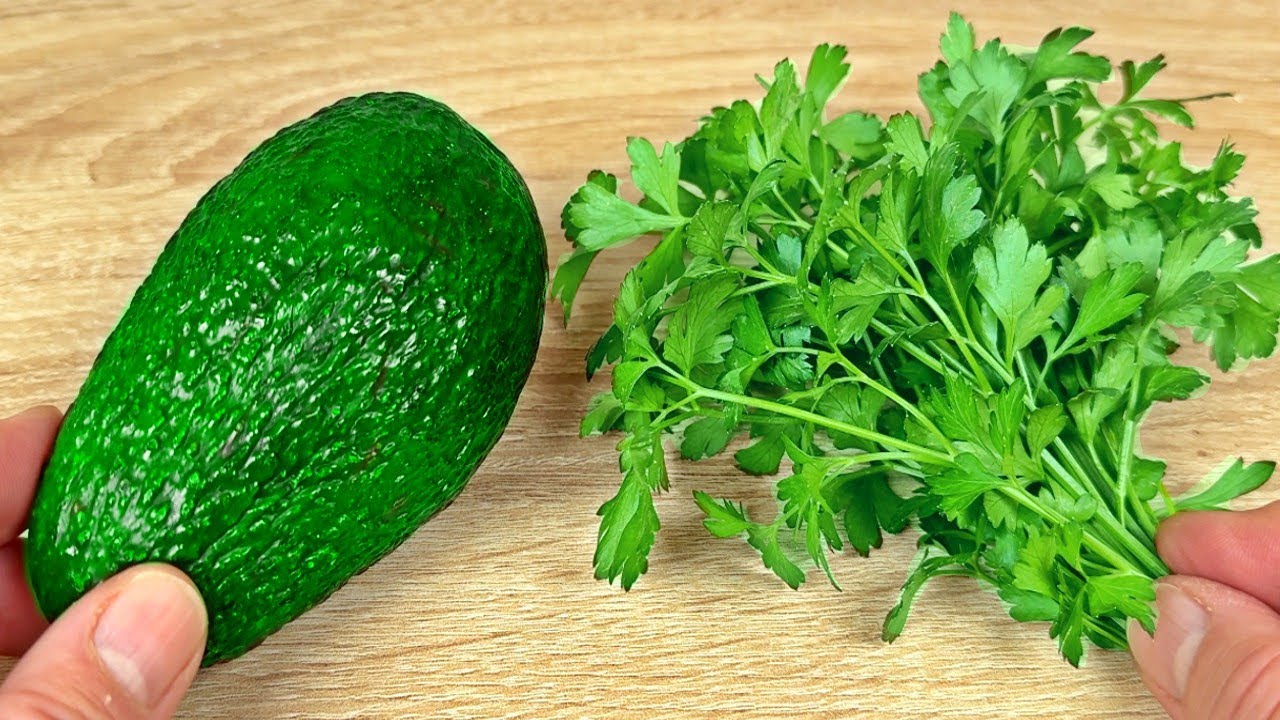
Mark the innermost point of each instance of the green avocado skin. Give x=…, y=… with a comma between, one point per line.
x=322, y=356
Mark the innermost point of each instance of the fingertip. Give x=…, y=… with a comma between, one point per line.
x=1215, y=653
x=34, y=425
x=189, y=592
x=1178, y=531
x=1233, y=548
x=21, y=622
x=26, y=439
x=45, y=412
x=151, y=635
x=1164, y=659
x=131, y=645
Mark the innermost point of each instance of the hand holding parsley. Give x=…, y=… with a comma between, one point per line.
x=960, y=327
x=1214, y=649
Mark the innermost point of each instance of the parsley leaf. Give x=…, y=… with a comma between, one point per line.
x=1055, y=59
x=658, y=177
x=629, y=521
x=607, y=220
x=1235, y=481
x=698, y=331
x=1009, y=275
x=950, y=214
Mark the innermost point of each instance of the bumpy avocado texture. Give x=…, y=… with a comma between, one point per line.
x=322, y=356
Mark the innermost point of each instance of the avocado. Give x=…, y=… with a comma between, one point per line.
x=320, y=359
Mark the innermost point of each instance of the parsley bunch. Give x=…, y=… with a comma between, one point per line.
x=958, y=324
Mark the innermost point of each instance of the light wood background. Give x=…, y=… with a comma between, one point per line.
x=116, y=117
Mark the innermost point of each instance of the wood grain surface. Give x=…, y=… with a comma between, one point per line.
x=117, y=116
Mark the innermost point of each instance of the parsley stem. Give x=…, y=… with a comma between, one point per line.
x=866, y=458
x=773, y=273
x=1066, y=242
x=1145, y=516
x=1033, y=389
x=674, y=406
x=920, y=453
x=1103, y=490
x=1170, y=505
x=662, y=422
x=844, y=254
x=1140, y=551
x=1129, y=436
x=919, y=353
x=1111, y=633
x=909, y=407
x=914, y=282
x=981, y=377
x=999, y=171
x=953, y=572
x=1005, y=370
x=787, y=206
x=888, y=257
x=789, y=223
x=1102, y=548
x=757, y=287
x=773, y=279
x=875, y=359
x=1092, y=449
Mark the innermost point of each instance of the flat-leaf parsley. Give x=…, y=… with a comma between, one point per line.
x=958, y=323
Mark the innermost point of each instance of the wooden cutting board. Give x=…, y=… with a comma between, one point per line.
x=117, y=116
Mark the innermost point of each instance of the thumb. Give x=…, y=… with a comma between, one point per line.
x=127, y=650
x=1215, y=653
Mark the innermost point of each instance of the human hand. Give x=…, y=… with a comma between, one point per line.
x=127, y=650
x=1216, y=650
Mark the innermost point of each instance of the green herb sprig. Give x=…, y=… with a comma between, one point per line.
x=958, y=324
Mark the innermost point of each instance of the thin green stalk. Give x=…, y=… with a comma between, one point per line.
x=1112, y=634
x=776, y=278
x=875, y=359
x=922, y=454
x=875, y=457
x=964, y=316
x=787, y=206
x=757, y=287
x=1102, y=548
x=981, y=377
x=907, y=406
x=913, y=281
x=917, y=352
x=1129, y=436
x=844, y=254
x=1143, y=554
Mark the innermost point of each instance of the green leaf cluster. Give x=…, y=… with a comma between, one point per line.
x=956, y=322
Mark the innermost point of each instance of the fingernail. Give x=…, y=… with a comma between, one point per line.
x=150, y=633
x=1180, y=627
